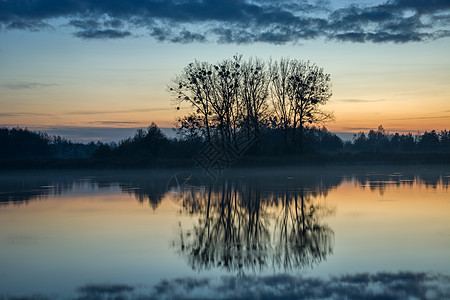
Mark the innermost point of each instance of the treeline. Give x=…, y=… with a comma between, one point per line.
x=151, y=144
x=22, y=143
x=381, y=141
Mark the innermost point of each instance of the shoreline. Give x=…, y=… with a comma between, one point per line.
x=338, y=159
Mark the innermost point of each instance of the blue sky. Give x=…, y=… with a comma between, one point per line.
x=70, y=66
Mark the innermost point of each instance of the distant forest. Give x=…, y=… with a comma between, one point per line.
x=151, y=144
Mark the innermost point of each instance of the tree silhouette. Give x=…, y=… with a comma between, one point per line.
x=298, y=90
x=231, y=97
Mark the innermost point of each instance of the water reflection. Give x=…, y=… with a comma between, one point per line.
x=151, y=187
x=21, y=188
x=246, y=223
x=380, y=181
x=18, y=188
x=146, y=190
x=253, y=225
x=382, y=285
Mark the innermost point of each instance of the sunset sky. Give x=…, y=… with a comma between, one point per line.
x=99, y=69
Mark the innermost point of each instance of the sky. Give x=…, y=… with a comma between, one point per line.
x=99, y=69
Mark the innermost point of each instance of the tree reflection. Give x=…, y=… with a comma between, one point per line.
x=242, y=225
x=300, y=239
x=21, y=187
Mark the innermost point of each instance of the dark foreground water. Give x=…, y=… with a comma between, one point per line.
x=305, y=233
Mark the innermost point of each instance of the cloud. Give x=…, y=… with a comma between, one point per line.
x=96, y=112
x=93, y=29
x=423, y=118
x=16, y=114
x=188, y=37
x=357, y=128
x=28, y=25
x=113, y=123
x=102, y=34
x=236, y=21
x=26, y=85
x=360, y=100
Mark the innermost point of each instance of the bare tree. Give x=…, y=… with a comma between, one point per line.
x=231, y=97
x=226, y=102
x=279, y=87
x=254, y=93
x=190, y=127
x=194, y=85
x=228, y=96
x=299, y=89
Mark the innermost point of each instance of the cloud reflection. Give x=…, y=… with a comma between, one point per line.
x=383, y=285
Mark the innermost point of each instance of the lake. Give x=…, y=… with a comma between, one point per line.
x=376, y=232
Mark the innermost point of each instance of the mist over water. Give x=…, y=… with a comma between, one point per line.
x=360, y=232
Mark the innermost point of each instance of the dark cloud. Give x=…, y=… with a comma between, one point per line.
x=27, y=25
x=94, y=29
x=188, y=37
x=423, y=6
x=85, y=24
x=356, y=37
x=236, y=21
x=102, y=34
x=113, y=23
x=394, y=21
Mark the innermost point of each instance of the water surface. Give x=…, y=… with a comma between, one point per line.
x=360, y=232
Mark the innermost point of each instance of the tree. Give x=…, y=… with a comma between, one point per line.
x=148, y=143
x=299, y=89
x=194, y=85
x=21, y=143
x=190, y=128
x=429, y=141
x=378, y=141
x=231, y=97
x=254, y=93
x=445, y=140
x=283, y=108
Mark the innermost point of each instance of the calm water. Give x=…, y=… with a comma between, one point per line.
x=318, y=233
